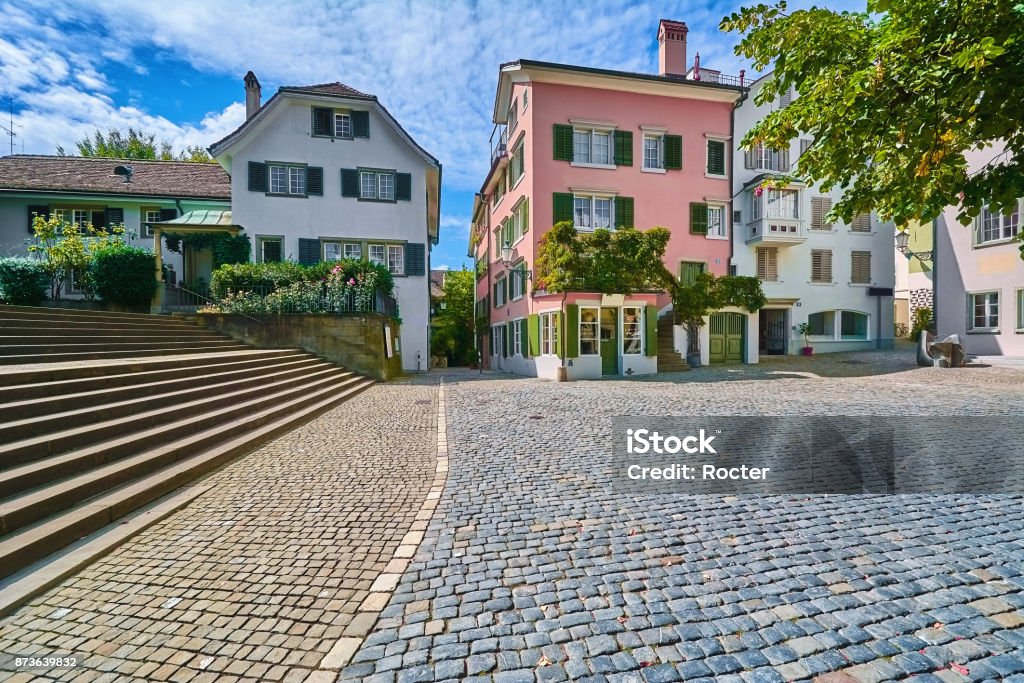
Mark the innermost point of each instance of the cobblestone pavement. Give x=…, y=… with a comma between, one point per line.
x=534, y=568
x=261, y=575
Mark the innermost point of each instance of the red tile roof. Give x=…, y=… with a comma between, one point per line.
x=335, y=88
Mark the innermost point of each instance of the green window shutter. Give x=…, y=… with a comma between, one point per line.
x=698, y=218
x=524, y=338
x=716, y=157
x=673, y=152
x=563, y=142
x=505, y=340
x=403, y=187
x=349, y=182
x=624, y=212
x=360, y=124
x=689, y=270
x=560, y=340
x=323, y=121
x=309, y=251
x=526, y=215
x=508, y=287
x=533, y=327
x=572, y=331
x=315, y=180
x=40, y=210
x=623, y=148
x=651, y=330
x=115, y=215
x=415, y=258
x=562, y=203
x=257, y=176
x=168, y=215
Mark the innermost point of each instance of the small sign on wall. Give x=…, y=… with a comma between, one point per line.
x=388, y=349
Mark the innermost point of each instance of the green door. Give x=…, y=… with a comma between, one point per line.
x=726, y=338
x=609, y=341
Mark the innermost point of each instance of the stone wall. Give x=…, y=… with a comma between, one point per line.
x=355, y=341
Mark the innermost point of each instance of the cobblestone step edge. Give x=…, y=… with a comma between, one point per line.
x=386, y=582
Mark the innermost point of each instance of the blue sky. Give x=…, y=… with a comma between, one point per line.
x=176, y=69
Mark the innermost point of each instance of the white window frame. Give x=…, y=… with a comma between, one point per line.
x=382, y=259
x=723, y=231
x=773, y=209
x=346, y=117
x=1019, y=299
x=277, y=175
x=517, y=337
x=639, y=330
x=398, y=249
x=518, y=275
x=499, y=340
x=549, y=333
x=148, y=216
x=972, y=304
x=766, y=159
x=386, y=186
x=512, y=120
x=517, y=222
x=501, y=291
x=291, y=184
x=725, y=156
x=364, y=177
x=332, y=247
x=592, y=132
x=346, y=250
x=596, y=327
x=592, y=211
x=660, y=151
x=1007, y=227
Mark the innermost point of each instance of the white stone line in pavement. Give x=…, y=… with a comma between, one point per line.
x=386, y=582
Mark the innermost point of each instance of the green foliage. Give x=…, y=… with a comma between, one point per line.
x=124, y=275
x=692, y=303
x=264, y=277
x=922, y=321
x=804, y=329
x=64, y=247
x=893, y=98
x=622, y=261
x=452, y=334
x=226, y=248
x=23, y=281
x=135, y=144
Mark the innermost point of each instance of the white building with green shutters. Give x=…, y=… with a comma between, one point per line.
x=325, y=172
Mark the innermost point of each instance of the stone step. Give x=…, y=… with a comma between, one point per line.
x=75, y=394
x=50, y=347
x=47, y=444
x=30, y=312
x=129, y=456
x=18, y=383
x=45, y=324
x=17, y=335
x=99, y=355
x=110, y=339
x=197, y=456
x=25, y=420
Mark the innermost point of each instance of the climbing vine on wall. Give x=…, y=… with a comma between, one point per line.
x=226, y=248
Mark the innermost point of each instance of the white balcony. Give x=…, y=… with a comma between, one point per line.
x=782, y=232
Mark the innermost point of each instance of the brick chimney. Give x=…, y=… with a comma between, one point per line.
x=252, y=95
x=671, y=48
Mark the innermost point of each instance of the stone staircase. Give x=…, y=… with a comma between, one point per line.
x=669, y=360
x=109, y=412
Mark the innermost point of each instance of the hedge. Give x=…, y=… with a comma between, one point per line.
x=264, y=278
x=124, y=275
x=23, y=281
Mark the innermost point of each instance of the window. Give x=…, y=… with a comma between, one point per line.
x=853, y=325
x=589, y=332
x=632, y=330
x=149, y=216
x=522, y=220
x=716, y=221
x=507, y=232
x=513, y=116
x=592, y=212
x=500, y=292
x=767, y=264
x=377, y=185
x=517, y=337
x=1020, y=310
x=782, y=204
x=499, y=190
x=716, y=157
x=861, y=223
x=518, y=276
x=860, y=267
x=498, y=340
x=820, y=206
x=270, y=249
x=654, y=146
x=993, y=227
x=821, y=265
x=526, y=99
x=823, y=324
x=332, y=251
x=592, y=146
x=763, y=158
x=983, y=311
x=548, y=334
x=353, y=250
x=689, y=270
x=396, y=259
x=290, y=180
x=342, y=125
x=517, y=164
x=377, y=254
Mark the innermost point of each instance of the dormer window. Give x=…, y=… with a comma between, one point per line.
x=342, y=124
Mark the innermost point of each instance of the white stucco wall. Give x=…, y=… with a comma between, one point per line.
x=284, y=135
x=794, y=262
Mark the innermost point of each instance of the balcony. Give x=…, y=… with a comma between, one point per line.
x=499, y=143
x=781, y=232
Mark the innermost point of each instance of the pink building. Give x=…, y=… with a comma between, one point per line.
x=604, y=149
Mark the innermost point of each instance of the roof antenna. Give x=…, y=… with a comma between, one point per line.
x=126, y=171
x=9, y=129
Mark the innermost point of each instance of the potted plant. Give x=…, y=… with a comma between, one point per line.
x=805, y=329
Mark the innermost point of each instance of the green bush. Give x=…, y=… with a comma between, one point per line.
x=124, y=275
x=264, y=278
x=23, y=281
x=922, y=321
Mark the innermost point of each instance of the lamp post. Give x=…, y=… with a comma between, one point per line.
x=903, y=246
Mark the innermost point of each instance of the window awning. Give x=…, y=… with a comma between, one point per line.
x=200, y=221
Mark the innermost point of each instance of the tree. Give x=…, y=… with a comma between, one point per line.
x=452, y=335
x=136, y=144
x=693, y=302
x=66, y=250
x=893, y=98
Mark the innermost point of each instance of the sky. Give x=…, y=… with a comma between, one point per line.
x=175, y=68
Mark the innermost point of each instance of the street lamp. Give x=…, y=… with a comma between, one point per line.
x=506, y=260
x=903, y=246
